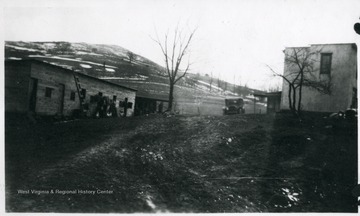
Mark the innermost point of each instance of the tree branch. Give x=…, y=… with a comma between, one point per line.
x=186, y=70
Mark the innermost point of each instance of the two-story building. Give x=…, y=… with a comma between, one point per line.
x=333, y=65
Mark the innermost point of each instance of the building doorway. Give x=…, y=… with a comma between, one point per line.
x=61, y=99
x=125, y=107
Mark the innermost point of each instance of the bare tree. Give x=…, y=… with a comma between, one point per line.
x=174, y=51
x=218, y=81
x=131, y=56
x=300, y=72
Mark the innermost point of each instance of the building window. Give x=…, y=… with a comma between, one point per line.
x=325, y=64
x=72, y=95
x=48, y=92
x=130, y=105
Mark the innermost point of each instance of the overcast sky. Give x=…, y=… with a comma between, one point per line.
x=234, y=39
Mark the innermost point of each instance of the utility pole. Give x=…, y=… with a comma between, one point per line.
x=234, y=84
x=254, y=104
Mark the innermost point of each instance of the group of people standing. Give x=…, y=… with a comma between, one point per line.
x=105, y=107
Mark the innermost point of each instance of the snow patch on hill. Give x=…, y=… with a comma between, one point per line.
x=26, y=49
x=85, y=66
x=47, y=46
x=87, y=53
x=70, y=59
x=212, y=86
x=110, y=70
x=14, y=58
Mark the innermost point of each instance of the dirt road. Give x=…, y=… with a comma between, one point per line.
x=162, y=164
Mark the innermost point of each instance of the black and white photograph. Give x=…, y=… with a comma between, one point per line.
x=179, y=106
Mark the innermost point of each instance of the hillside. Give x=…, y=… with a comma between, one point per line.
x=93, y=59
x=119, y=65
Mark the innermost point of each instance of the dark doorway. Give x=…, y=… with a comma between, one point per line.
x=33, y=90
x=145, y=106
x=125, y=107
x=61, y=98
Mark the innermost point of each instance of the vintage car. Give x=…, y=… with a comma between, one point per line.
x=234, y=106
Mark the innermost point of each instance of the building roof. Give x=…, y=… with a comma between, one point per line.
x=158, y=97
x=328, y=44
x=268, y=94
x=334, y=44
x=233, y=97
x=69, y=71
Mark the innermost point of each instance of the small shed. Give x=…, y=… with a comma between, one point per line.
x=148, y=104
x=273, y=101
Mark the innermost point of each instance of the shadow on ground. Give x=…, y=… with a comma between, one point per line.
x=316, y=160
